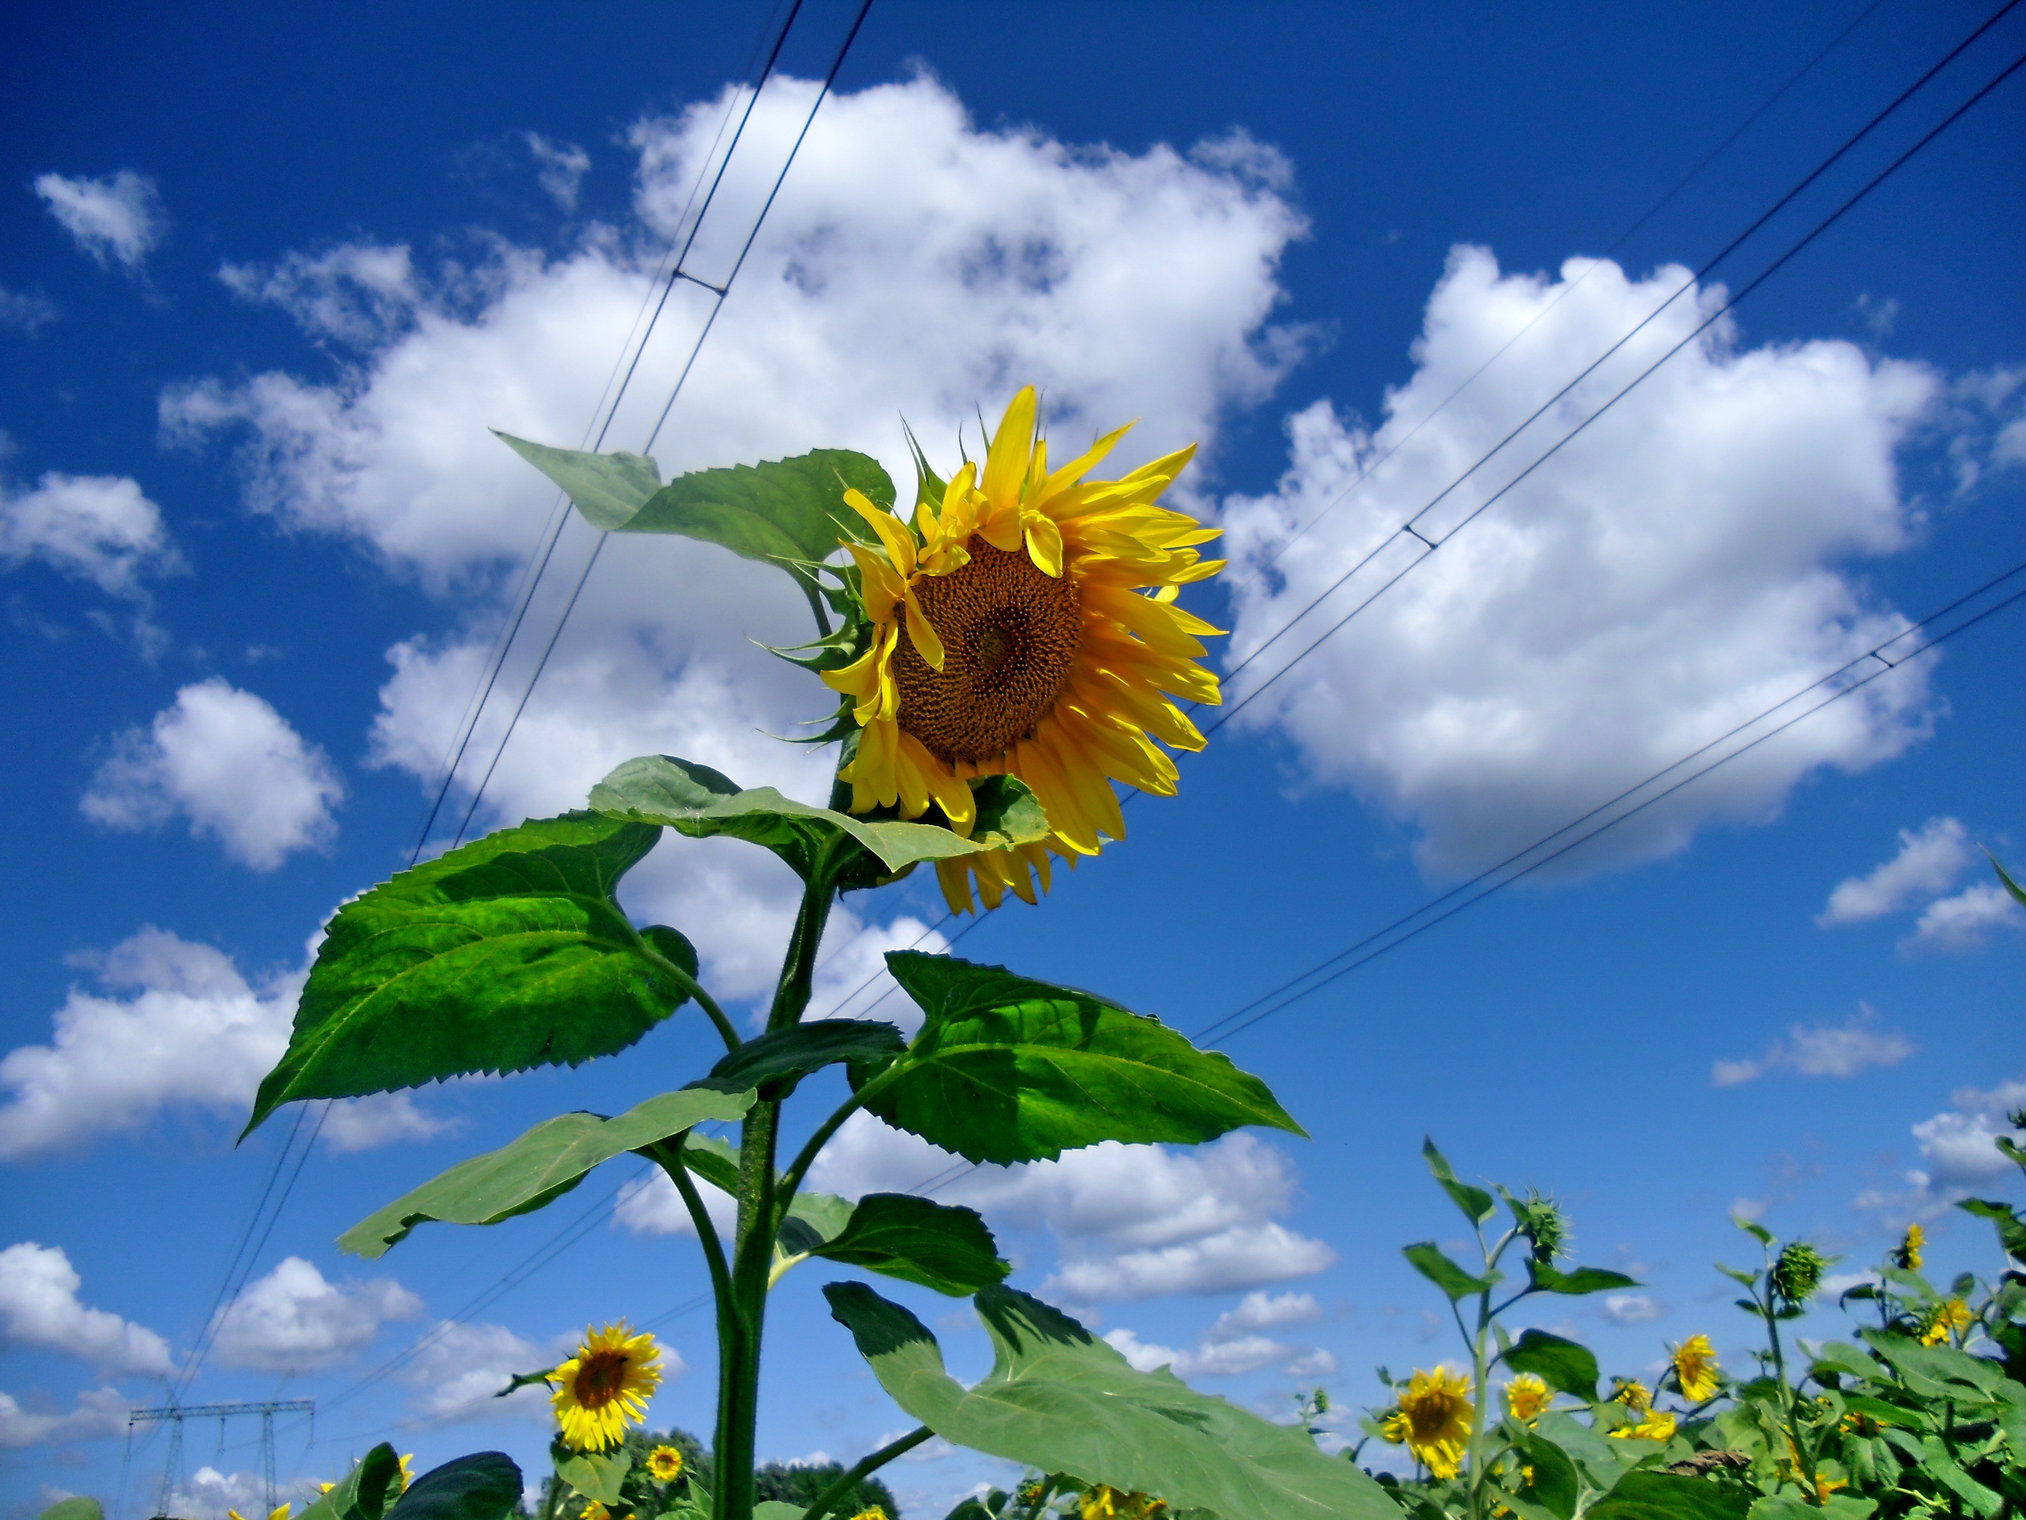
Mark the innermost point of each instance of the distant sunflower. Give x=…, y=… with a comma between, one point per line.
x=1907, y=1256
x=1432, y=1419
x=1947, y=1320
x=1633, y=1394
x=1653, y=1425
x=1026, y=625
x=1527, y=1397
x=605, y=1386
x=1696, y=1369
x=664, y=1464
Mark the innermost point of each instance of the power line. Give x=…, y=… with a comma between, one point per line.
x=1407, y=528
x=720, y=293
x=1429, y=546
x=1381, y=940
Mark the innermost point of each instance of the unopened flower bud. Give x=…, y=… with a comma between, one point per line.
x=1797, y=1272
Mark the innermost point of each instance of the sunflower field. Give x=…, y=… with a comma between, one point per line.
x=992, y=663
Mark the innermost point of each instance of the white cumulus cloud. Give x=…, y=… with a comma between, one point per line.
x=115, y=219
x=1822, y=1050
x=1930, y=860
x=1678, y=567
x=99, y=1412
x=359, y=293
x=1125, y=284
x=228, y=762
x=1633, y=1308
x=1265, y=1311
x=1959, y=1144
x=1958, y=924
x=460, y=1368
x=293, y=1320
x=39, y=1307
x=561, y=168
x=97, y=528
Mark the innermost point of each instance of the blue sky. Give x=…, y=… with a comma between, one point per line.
x=267, y=277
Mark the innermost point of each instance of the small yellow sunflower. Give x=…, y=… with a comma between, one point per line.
x=1432, y=1419
x=1633, y=1394
x=1696, y=1369
x=279, y=1513
x=594, y=1509
x=1948, y=1319
x=664, y=1464
x=1026, y=625
x=605, y=1386
x=1653, y=1425
x=1527, y=1397
x=406, y=1475
x=875, y=1513
x=1907, y=1254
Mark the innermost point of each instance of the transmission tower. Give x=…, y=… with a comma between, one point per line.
x=176, y=1414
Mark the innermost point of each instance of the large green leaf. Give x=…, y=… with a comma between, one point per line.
x=609, y=489
x=1061, y=1400
x=486, y=1485
x=600, y=1476
x=1551, y=1279
x=506, y=953
x=1427, y=1259
x=76, y=1507
x=1555, y=1484
x=1474, y=1201
x=937, y=1245
x=1641, y=1495
x=540, y=1166
x=1011, y=1069
x=1561, y=1364
x=700, y=802
x=774, y=1062
x=2011, y=1228
x=365, y=1492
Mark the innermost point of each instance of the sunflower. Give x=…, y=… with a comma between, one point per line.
x=604, y=1386
x=1947, y=1319
x=664, y=1464
x=1432, y=1418
x=1633, y=1394
x=1025, y=625
x=406, y=1474
x=1695, y=1368
x=1907, y=1255
x=1527, y=1397
x=1653, y=1425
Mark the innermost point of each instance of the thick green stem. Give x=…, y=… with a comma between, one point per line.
x=833, y=1496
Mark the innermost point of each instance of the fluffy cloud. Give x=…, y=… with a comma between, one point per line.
x=1670, y=573
x=562, y=167
x=1264, y=1311
x=97, y=528
x=292, y=1320
x=194, y=1031
x=1822, y=1050
x=100, y=1412
x=229, y=763
x=1959, y=1144
x=209, y=1494
x=118, y=218
x=1132, y=1221
x=39, y=1307
x=1234, y=1344
x=1124, y=284
x=358, y=293
x=460, y=1368
x=1633, y=1308
x=1930, y=860
x=1955, y=925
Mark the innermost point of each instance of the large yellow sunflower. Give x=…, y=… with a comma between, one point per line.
x=1026, y=625
x=1433, y=1419
x=1696, y=1369
x=604, y=1386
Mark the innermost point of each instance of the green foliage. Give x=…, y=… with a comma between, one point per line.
x=774, y=1062
x=1060, y=1399
x=934, y=1244
x=539, y=1167
x=485, y=1485
x=507, y=953
x=1427, y=1259
x=76, y=1507
x=364, y=1493
x=1474, y=1201
x=816, y=842
x=1562, y=1364
x=1011, y=1069
x=799, y=1486
x=598, y=1475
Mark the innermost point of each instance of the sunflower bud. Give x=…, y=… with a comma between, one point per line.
x=1797, y=1273
x=1543, y=1223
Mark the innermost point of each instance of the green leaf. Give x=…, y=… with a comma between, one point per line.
x=715, y=1161
x=936, y=1245
x=2018, y=892
x=1550, y=1279
x=485, y=1485
x=1793, y=1507
x=1561, y=1364
x=777, y=1509
x=2011, y=1228
x=541, y=1165
x=1428, y=1260
x=76, y=1507
x=783, y=509
x=1060, y=1400
x=595, y=1476
x=774, y=1062
x=506, y=953
x=1475, y=1202
x=1936, y=1371
x=1556, y=1485
x=365, y=1492
x=700, y=802
x=1010, y=1069
x=1642, y=1495
x=1754, y=1229
x=607, y=488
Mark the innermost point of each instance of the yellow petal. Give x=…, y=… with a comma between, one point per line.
x=900, y=544
x=1012, y=444
x=1044, y=545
